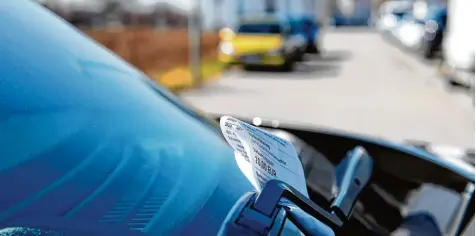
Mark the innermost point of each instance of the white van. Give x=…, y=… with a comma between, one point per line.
x=459, y=42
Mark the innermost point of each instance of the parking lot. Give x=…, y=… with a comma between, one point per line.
x=362, y=83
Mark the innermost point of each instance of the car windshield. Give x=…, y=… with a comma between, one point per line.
x=84, y=136
x=260, y=28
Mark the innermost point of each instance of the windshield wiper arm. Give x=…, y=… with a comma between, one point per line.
x=263, y=214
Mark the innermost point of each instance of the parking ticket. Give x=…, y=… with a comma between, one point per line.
x=262, y=156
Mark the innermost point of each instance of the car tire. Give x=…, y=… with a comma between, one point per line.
x=288, y=65
x=312, y=48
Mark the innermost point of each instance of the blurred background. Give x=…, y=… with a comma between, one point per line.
x=397, y=69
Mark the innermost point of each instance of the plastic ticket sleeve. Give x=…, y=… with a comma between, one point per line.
x=234, y=133
x=275, y=158
x=247, y=169
x=269, y=156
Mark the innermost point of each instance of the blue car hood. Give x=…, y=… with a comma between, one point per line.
x=90, y=144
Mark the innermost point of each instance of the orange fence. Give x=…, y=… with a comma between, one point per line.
x=153, y=51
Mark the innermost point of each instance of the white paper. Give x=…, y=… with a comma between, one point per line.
x=262, y=156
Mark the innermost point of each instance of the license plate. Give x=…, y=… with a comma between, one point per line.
x=251, y=59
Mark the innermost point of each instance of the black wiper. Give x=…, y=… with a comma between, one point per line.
x=264, y=215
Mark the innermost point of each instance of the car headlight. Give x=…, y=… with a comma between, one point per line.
x=226, y=48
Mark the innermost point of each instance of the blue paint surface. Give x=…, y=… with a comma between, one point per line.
x=88, y=144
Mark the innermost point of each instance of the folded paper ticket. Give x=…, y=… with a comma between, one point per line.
x=262, y=156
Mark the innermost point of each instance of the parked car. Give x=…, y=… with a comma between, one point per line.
x=422, y=29
x=352, y=13
x=266, y=40
x=311, y=30
x=434, y=29
x=409, y=33
x=459, y=43
x=390, y=13
x=91, y=146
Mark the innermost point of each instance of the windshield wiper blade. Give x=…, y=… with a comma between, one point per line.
x=264, y=215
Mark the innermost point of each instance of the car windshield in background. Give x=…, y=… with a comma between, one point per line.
x=260, y=29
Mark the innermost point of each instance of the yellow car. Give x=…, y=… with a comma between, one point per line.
x=263, y=40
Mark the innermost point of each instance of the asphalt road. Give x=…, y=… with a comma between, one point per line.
x=361, y=84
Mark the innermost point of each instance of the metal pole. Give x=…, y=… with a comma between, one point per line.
x=322, y=9
x=218, y=5
x=240, y=8
x=194, y=30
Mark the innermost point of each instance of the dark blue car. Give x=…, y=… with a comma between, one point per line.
x=310, y=29
x=435, y=26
